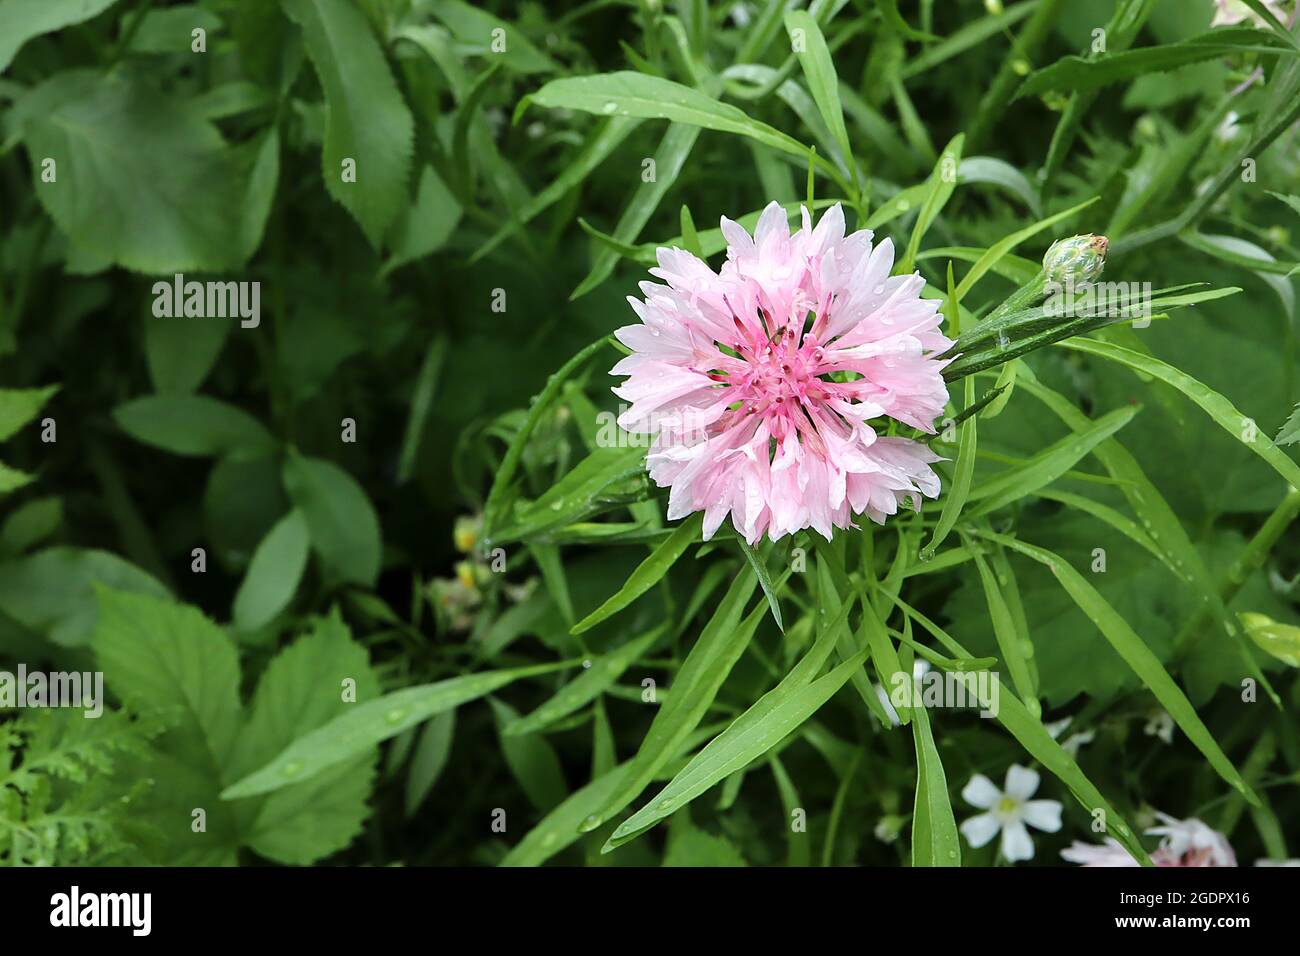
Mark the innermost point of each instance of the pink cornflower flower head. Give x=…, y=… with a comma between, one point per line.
x=759, y=381
x=1184, y=843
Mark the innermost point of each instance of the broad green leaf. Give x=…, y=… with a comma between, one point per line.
x=368, y=125
x=142, y=180
x=1289, y=433
x=646, y=575
x=194, y=425
x=934, y=828
x=273, y=573
x=301, y=689
x=1135, y=653
x=52, y=591
x=171, y=663
x=21, y=20
x=372, y=722
x=1224, y=413
x=479, y=30
x=29, y=524
x=18, y=406
x=343, y=525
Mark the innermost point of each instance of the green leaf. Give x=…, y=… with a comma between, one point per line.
x=29, y=524
x=21, y=20
x=765, y=581
x=698, y=680
x=273, y=573
x=819, y=69
x=770, y=720
x=425, y=227
x=430, y=757
x=371, y=722
x=1048, y=465
x=366, y=119
x=479, y=30
x=1005, y=245
x=650, y=97
x=967, y=441
x=1289, y=433
x=934, y=828
x=343, y=525
x=939, y=189
x=302, y=689
x=1278, y=640
x=646, y=575
x=18, y=406
x=669, y=158
x=52, y=591
x=1029, y=732
x=588, y=685
x=1074, y=73
x=194, y=425
x=501, y=482
x=531, y=759
x=1224, y=413
x=143, y=181
x=1136, y=654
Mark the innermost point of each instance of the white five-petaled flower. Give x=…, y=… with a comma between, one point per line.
x=1008, y=810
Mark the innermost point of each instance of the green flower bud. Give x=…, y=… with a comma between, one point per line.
x=1077, y=259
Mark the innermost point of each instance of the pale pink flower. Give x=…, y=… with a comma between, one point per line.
x=1230, y=12
x=1184, y=843
x=760, y=381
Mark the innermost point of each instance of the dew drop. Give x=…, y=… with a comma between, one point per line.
x=395, y=715
x=611, y=106
x=291, y=769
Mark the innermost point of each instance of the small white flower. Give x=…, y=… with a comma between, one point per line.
x=1008, y=810
x=1160, y=724
x=1074, y=741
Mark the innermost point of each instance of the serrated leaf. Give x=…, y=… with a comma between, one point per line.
x=367, y=120
x=21, y=20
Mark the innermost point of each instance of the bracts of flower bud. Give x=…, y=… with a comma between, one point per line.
x=1021, y=324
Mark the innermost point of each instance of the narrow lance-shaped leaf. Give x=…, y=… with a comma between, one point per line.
x=372, y=722
x=707, y=665
x=1135, y=653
